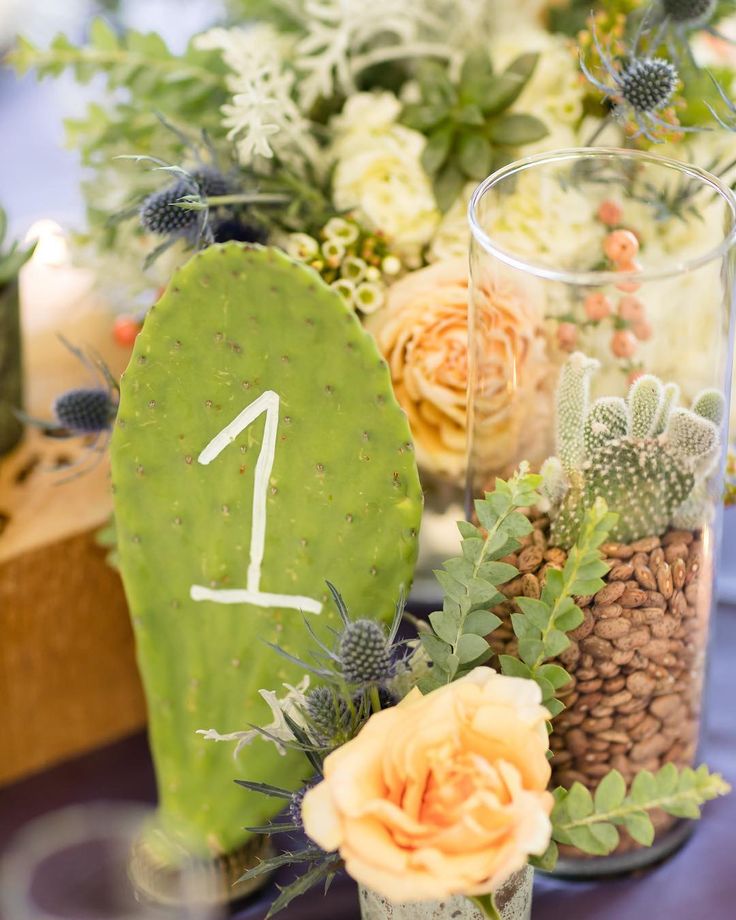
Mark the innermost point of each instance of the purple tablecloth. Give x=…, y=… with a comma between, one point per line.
x=698, y=883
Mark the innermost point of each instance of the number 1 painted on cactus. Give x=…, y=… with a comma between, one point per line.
x=267, y=402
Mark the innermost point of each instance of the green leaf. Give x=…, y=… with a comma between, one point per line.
x=437, y=650
x=423, y=118
x=470, y=114
x=477, y=68
x=610, y=793
x=586, y=840
x=570, y=619
x=530, y=650
x=471, y=647
x=555, y=643
x=523, y=627
x=475, y=155
x=498, y=572
x=548, y=860
x=513, y=667
x=515, y=130
x=481, y=622
x=448, y=186
x=507, y=87
x=554, y=706
x=317, y=873
x=102, y=37
x=437, y=148
x=640, y=826
x=486, y=903
x=578, y=802
x=460, y=568
x=537, y=611
x=451, y=586
x=467, y=530
x=556, y=675
x=482, y=592
x=644, y=788
x=445, y=625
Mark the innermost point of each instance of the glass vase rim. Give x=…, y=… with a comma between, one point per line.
x=597, y=278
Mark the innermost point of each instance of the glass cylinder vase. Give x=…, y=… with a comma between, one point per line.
x=602, y=283
x=513, y=900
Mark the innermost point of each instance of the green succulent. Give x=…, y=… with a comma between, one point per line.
x=650, y=459
x=470, y=130
x=13, y=258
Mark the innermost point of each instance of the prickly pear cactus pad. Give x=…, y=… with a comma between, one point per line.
x=258, y=451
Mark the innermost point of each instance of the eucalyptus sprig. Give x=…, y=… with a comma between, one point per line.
x=470, y=131
x=457, y=642
x=589, y=821
x=542, y=624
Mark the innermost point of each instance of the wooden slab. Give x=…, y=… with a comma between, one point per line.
x=68, y=680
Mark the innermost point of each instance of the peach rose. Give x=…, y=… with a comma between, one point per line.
x=423, y=334
x=444, y=794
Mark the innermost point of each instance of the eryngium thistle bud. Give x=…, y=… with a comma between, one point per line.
x=85, y=411
x=160, y=214
x=327, y=716
x=689, y=12
x=210, y=181
x=647, y=84
x=295, y=806
x=363, y=653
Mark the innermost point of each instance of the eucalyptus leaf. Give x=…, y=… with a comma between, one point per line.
x=471, y=647
x=481, y=622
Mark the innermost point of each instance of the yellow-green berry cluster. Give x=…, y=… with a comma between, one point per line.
x=354, y=261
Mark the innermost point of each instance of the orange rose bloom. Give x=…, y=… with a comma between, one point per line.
x=423, y=334
x=444, y=794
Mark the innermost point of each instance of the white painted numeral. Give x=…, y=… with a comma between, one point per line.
x=267, y=402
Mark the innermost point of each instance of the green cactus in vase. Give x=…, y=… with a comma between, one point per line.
x=648, y=458
x=229, y=523
x=11, y=364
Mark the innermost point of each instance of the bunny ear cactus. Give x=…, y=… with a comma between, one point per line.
x=647, y=458
x=229, y=523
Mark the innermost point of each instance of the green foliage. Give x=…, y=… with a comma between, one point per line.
x=470, y=130
x=144, y=80
x=541, y=626
x=589, y=822
x=457, y=642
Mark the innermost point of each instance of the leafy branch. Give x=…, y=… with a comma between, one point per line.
x=542, y=625
x=470, y=583
x=136, y=60
x=589, y=822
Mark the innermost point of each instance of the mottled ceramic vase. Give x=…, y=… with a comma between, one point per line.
x=514, y=902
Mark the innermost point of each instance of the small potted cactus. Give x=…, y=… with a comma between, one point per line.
x=12, y=260
x=637, y=658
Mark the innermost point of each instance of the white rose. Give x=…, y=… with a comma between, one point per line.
x=379, y=174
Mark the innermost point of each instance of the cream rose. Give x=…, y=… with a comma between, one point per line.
x=444, y=794
x=379, y=174
x=423, y=334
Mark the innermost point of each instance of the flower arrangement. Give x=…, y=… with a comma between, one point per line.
x=317, y=113
x=431, y=770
